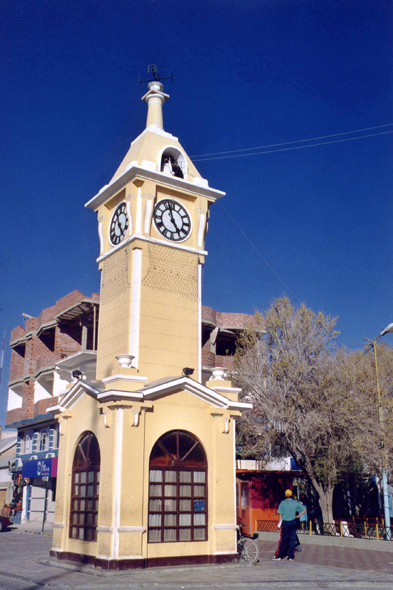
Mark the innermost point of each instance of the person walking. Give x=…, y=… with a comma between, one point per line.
x=289, y=510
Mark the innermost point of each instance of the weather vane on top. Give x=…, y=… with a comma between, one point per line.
x=152, y=69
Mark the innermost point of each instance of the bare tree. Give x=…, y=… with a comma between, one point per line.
x=290, y=374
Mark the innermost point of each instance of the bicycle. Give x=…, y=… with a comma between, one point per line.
x=247, y=548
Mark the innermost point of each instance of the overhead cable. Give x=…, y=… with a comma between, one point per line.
x=298, y=147
x=262, y=147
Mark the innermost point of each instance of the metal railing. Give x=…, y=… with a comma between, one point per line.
x=357, y=529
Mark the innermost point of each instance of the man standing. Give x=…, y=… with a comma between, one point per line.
x=289, y=510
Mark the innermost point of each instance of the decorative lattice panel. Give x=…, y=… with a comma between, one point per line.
x=173, y=271
x=115, y=280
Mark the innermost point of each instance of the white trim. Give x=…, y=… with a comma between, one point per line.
x=150, y=393
x=135, y=378
x=225, y=527
x=131, y=529
x=138, y=221
x=135, y=305
x=58, y=525
x=224, y=552
x=148, y=214
x=201, y=228
x=229, y=389
x=171, y=181
x=151, y=241
x=58, y=550
x=104, y=529
x=101, y=236
x=117, y=393
x=117, y=482
x=200, y=323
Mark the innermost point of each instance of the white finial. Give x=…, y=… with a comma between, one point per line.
x=155, y=98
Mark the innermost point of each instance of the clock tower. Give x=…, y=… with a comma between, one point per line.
x=152, y=223
x=146, y=470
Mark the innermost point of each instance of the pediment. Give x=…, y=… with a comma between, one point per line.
x=173, y=385
x=153, y=391
x=75, y=394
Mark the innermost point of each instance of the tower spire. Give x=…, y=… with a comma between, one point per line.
x=155, y=98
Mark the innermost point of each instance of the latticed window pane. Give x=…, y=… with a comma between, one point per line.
x=199, y=476
x=170, y=520
x=170, y=490
x=199, y=519
x=185, y=476
x=185, y=505
x=155, y=536
x=169, y=534
x=184, y=519
x=155, y=475
x=155, y=490
x=179, y=462
x=155, y=505
x=170, y=475
x=185, y=535
x=170, y=505
x=154, y=520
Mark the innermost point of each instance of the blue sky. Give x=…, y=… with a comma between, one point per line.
x=246, y=74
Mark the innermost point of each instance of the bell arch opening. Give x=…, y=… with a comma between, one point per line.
x=173, y=162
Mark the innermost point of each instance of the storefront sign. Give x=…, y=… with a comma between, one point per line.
x=40, y=468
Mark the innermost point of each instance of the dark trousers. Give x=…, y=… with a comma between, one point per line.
x=287, y=544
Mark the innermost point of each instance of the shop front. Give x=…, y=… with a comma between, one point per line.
x=39, y=493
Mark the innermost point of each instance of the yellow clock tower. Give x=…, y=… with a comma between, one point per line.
x=146, y=470
x=152, y=224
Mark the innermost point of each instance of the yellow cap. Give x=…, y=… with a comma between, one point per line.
x=288, y=493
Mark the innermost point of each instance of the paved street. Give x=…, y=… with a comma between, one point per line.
x=23, y=557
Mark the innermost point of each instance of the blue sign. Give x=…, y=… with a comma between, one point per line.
x=40, y=468
x=199, y=505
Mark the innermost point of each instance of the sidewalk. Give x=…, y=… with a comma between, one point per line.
x=25, y=564
x=33, y=526
x=344, y=542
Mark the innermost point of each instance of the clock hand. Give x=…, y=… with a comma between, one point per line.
x=173, y=220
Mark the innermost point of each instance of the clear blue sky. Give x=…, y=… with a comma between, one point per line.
x=246, y=74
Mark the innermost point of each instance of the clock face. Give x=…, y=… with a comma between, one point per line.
x=119, y=224
x=172, y=220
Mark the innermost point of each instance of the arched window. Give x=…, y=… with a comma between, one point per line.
x=177, y=489
x=85, y=489
x=43, y=442
x=28, y=444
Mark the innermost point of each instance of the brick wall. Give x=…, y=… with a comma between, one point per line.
x=46, y=316
x=41, y=406
x=17, y=333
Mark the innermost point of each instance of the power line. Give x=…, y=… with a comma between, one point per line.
x=299, y=147
x=259, y=254
x=292, y=142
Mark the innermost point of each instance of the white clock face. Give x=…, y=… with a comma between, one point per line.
x=119, y=224
x=172, y=220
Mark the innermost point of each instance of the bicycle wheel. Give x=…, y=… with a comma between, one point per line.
x=248, y=550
